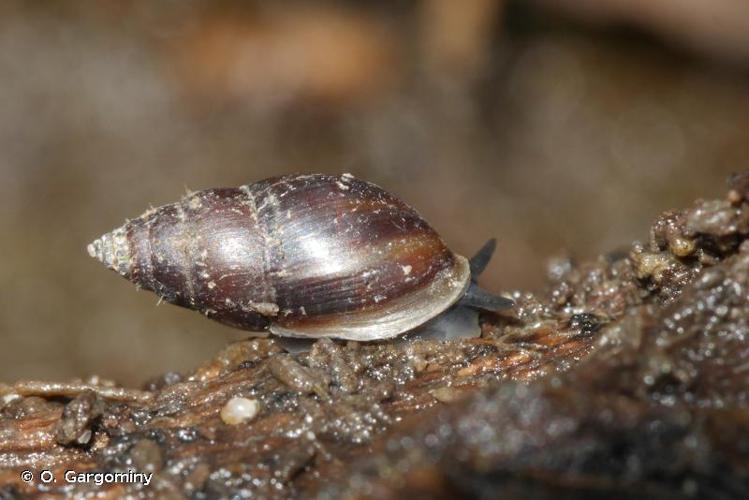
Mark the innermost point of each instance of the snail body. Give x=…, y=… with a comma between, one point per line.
x=305, y=256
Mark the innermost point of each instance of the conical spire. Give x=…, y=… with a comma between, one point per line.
x=113, y=250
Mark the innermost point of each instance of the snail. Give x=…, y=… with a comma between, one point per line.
x=304, y=256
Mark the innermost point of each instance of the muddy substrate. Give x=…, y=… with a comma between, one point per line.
x=629, y=378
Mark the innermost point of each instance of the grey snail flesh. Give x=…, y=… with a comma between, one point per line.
x=304, y=256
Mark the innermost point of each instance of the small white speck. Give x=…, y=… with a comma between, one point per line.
x=406, y=270
x=84, y=437
x=9, y=397
x=211, y=285
x=194, y=202
x=238, y=410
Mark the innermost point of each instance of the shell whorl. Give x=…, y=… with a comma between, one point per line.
x=113, y=250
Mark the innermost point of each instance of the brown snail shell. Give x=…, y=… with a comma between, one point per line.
x=304, y=256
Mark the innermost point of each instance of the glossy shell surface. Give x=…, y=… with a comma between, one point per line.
x=304, y=256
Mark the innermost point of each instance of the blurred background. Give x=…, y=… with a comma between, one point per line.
x=559, y=126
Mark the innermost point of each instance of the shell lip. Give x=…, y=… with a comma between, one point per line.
x=402, y=316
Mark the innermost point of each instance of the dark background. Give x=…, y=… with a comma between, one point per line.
x=561, y=127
